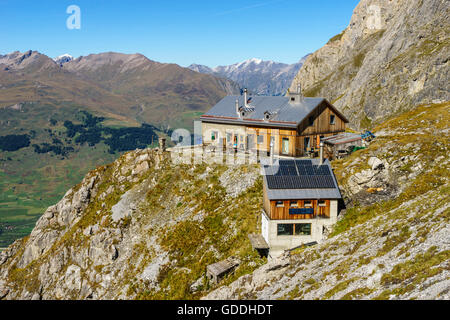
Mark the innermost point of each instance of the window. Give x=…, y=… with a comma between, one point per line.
x=311, y=121
x=260, y=139
x=214, y=135
x=285, y=146
x=292, y=98
x=308, y=203
x=307, y=142
x=322, y=203
x=242, y=138
x=285, y=230
x=251, y=141
x=280, y=204
x=298, y=229
x=302, y=229
x=293, y=204
x=332, y=119
x=229, y=136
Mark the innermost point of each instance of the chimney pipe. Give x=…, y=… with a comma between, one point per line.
x=245, y=96
x=321, y=153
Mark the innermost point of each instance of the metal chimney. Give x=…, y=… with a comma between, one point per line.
x=321, y=153
x=245, y=96
x=237, y=108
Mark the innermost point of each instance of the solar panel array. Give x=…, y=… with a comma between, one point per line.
x=299, y=174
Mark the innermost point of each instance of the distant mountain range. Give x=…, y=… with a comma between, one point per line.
x=123, y=86
x=260, y=77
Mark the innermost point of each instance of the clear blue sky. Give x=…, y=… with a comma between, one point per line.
x=192, y=31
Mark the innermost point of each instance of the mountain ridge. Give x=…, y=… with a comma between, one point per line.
x=122, y=85
x=259, y=76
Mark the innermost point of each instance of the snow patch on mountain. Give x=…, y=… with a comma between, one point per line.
x=63, y=59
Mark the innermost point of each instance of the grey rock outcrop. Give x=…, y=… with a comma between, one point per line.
x=393, y=56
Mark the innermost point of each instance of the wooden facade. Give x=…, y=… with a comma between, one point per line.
x=282, y=212
x=277, y=212
x=322, y=122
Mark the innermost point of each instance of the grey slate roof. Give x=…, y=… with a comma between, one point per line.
x=288, y=114
x=306, y=194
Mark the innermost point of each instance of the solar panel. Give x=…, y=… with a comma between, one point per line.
x=303, y=162
x=299, y=174
x=273, y=183
x=309, y=170
x=302, y=170
x=292, y=171
x=322, y=170
x=286, y=162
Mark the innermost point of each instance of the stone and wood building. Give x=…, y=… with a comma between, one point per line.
x=293, y=124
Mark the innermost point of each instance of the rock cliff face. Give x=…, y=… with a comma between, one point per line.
x=393, y=56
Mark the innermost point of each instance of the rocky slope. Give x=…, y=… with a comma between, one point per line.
x=393, y=56
x=260, y=77
x=142, y=227
x=392, y=241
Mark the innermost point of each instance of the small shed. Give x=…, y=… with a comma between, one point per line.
x=341, y=144
x=217, y=271
x=259, y=244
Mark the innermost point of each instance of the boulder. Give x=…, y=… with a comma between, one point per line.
x=376, y=164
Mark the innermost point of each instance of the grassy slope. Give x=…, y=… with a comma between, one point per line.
x=30, y=182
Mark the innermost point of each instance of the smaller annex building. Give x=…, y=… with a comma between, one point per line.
x=300, y=203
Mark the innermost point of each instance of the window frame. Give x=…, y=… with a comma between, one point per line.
x=302, y=224
x=332, y=119
x=279, y=204
x=285, y=152
x=230, y=136
x=308, y=204
x=288, y=233
x=258, y=137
